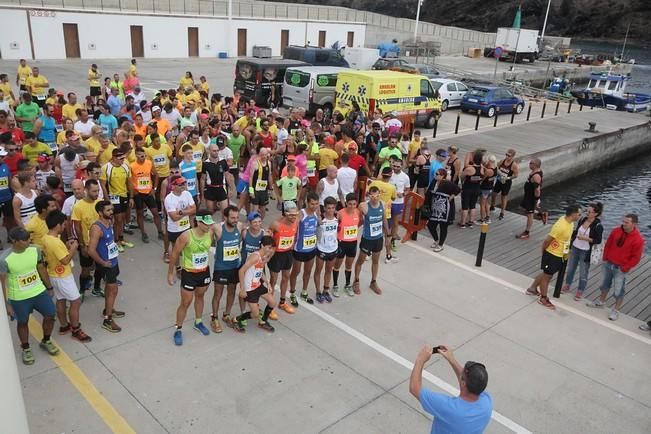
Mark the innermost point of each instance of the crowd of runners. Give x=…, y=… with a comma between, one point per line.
x=75, y=177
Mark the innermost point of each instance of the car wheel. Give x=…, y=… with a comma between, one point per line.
x=519, y=108
x=429, y=123
x=491, y=112
x=444, y=105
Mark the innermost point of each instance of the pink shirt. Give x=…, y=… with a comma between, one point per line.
x=246, y=174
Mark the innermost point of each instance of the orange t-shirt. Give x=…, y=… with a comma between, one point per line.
x=141, y=176
x=285, y=237
x=142, y=130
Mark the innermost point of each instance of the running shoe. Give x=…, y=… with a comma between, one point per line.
x=87, y=285
x=127, y=229
x=245, y=322
x=523, y=236
x=375, y=288
x=319, y=297
x=391, y=260
x=215, y=326
x=565, y=288
x=598, y=304
x=469, y=225
x=434, y=245
x=266, y=326
x=198, y=326
x=120, y=248
x=488, y=220
x=546, y=303
x=578, y=296
x=111, y=326
x=645, y=327
x=437, y=248
x=97, y=292
x=65, y=330
x=286, y=307
x=127, y=244
x=348, y=289
x=501, y=216
x=356, y=287
x=479, y=222
x=532, y=291
x=273, y=316
x=226, y=318
x=28, y=357
x=236, y=326
x=81, y=336
x=305, y=296
x=293, y=300
x=613, y=315
x=326, y=295
x=49, y=347
x=145, y=238
x=178, y=337
x=461, y=225
x=544, y=216
x=335, y=291
x=115, y=313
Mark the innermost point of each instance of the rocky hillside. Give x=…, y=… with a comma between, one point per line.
x=592, y=19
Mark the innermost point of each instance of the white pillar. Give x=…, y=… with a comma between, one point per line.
x=229, y=30
x=12, y=406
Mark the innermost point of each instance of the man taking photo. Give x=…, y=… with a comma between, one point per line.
x=468, y=413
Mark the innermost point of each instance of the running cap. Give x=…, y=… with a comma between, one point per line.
x=3, y=153
x=186, y=123
x=329, y=140
x=205, y=219
x=291, y=158
x=289, y=205
x=18, y=234
x=42, y=158
x=220, y=140
x=441, y=153
x=253, y=215
x=155, y=108
x=177, y=180
x=275, y=111
x=203, y=116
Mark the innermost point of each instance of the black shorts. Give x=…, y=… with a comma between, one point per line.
x=95, y=91
x=304, y=256
x=7, y=209
x=550, y=264
x=469, y=199
x=225, y=277
x=260, y=198
x=327, y=256
x=109, y=274
x=39, y=102
x=191, y=281
x=141, y=200
x=529, y=204
x=215, y=194
x=281, y=261
x=122, y=207
x=502, y=188
x=173, y=236
x=85, y=261
x=254, y=295
x=371, y=246
x=347, y=249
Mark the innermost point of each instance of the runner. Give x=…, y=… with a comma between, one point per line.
x=439, y=201
x=59, y=268
x=213, y=184
x=227, y=239
x=375, y=224
x=193, y=248
x=284, y=232
x=83, y=216
x=103, y=249
x=180, y=208
x=189, y=172
x=387, y=195
x=261, y=181
x=327, y=246
x=159, y=155
x=165, y=189
x=24, y=282
x=143, y=180
x=23, y=201
x=400, y=180
x=349, y=219
x=532, y=193
x=118, y=189
x=305, y=248
x=328, y=185
x=421, y=171
x=36, y=226
x=252, y=287
x=472, y=175
x=507, y=170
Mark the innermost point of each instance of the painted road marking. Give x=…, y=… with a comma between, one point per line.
x=97, y=401
x=497, y=417
x=608, y=324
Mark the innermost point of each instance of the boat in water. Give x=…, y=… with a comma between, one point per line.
x=608, y=90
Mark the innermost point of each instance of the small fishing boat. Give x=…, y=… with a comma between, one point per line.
x=608, y=90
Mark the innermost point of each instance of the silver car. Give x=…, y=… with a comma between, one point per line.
x=451, y=92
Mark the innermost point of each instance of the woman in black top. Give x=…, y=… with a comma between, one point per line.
x=439, y=199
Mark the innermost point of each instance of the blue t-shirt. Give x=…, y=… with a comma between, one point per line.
x=435, y=165
x=108, y=124
x=454, y=415
x=48, y=130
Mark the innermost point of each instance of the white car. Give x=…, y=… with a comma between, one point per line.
x=451, y=92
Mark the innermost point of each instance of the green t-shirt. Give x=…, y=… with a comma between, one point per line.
x=235, y=145
x=387, y=153
x=23, y=280
x=30, y=111
x=288, y=187
x=31, y=152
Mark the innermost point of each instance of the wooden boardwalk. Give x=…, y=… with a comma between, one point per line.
x=523, y=256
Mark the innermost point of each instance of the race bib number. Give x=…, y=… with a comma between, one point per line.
x=105, y=129
x=192, y=184
x=199, y=261
x=311, y=171
x=112, y=250
x=53, y=146
x=197, y=155
x=566, y=248
x=286, y=242
x=231, y=253
x=144, y=182
x=350, y=233
x=261, y=185
x=309, y=242
x=27, y=280
x=375, y=229
x=184, y=222
x=114, y=198
x=4, y=182
x=40, y=97
x=160, y=160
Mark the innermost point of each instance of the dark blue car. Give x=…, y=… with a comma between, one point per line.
x=489, y=99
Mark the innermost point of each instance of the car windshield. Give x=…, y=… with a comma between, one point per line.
x=478, y=92
x=436, y=85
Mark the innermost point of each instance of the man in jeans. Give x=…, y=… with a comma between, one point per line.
x=622, y=253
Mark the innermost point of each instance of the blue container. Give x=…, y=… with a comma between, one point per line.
x=222, y=55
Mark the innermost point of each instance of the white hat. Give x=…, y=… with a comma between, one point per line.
x=275, y=111
x=155, y=108
x=3, y=153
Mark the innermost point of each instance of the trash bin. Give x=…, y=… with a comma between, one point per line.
x=222, y=55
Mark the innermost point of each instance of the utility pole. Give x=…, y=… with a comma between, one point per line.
x=542, y=35
x=420, y=2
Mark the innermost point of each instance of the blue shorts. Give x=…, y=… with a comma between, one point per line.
x=396, y=209
x=42, y=303
x=242, y=186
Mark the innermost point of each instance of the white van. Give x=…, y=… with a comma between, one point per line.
x=311, y=87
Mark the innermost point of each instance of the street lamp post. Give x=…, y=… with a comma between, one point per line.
x=420, y=2
x=542, y=35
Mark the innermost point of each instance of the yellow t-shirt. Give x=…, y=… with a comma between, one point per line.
x=205, y=87
x=105, y=155
x=163, y=140
x=37, y=228
x=23, y=73
x=55, y=251
x=186, y=82
x=387, y=195
x=93, y=78
x=118, y=184
x=84, y=212
x=92, y=144
x=414, y=146
x=32, y=152
x=327, y=157
x=133, y=70
x=68, y=111
x=32, y=83
x=6, y=89
x=161, y=159
x=197, y=154
x=242, y=122
x=562, y=234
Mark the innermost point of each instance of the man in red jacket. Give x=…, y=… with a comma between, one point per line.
x=622, y=253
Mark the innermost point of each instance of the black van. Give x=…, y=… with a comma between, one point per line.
x=262, y=79
x=316, y=56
